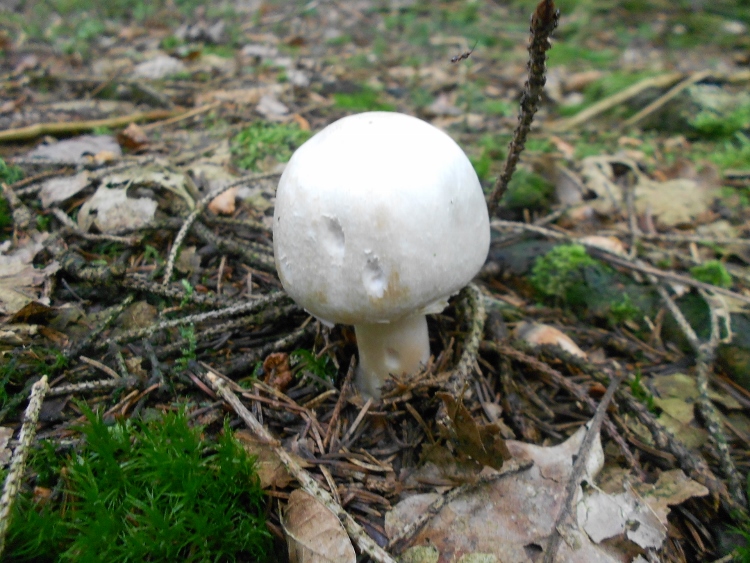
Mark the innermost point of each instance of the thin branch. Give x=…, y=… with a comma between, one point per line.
x=705, y=353
x=543, y=23
x=457, y=380
x=579, y=468
x=620, y=261
x=365, y=543
x=200, y=208
x=18, y=463
x=72, y=127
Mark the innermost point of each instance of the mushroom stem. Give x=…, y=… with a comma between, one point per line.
x=396, y=347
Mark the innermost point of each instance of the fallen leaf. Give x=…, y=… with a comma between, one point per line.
x=278, y=372
x=74, y=151
x=188, y=262
x=19, y=279
x=159, y=67
x=133, y=137
x=270, y=107
x=59, y=189
x=314, y=533
x=224, y=203
x=483, y=443
x=271, y=471
x=537, y=334
x=510, y=516
x=640, y=512
x=610, y=244
x=674, y=202
x=115, y=211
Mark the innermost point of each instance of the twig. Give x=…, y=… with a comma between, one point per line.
x=71, y=226
x=543, y=23
x=199, y=208
x=182, y=117
x=704, y=366
x=619, y=261
x=700, y=239
x=672, y=93
x=138, y=283
x=241, y=307
x=693, y=465
x=97, y=364
x=340, y=402
x=357, y=421
x=18, y=463
x=72, y=127
x=566, y=383
x=663, y=81
x=90, y=386
x=577, y=473
x=457, y=380
x=365, y=543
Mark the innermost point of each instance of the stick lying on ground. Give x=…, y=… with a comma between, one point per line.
x=18, y=462
x=365, y=543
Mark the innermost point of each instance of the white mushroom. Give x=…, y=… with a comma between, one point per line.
x=379, y=219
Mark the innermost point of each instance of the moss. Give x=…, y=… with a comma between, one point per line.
x=713, y=272
x=365, y=99
x=263, y=140
x=145, y=491
x=555, y=273
x=527, y=190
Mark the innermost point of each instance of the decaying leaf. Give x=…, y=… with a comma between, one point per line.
x=189, y=261
x=20, y=281
x=640, y=512
x=537, y=334
x=60, y=189
x=224, y=203
x=133, y=137
x=74, y=151
x=278, y=372
x=693, y=195
x=483, y=443
x=510, y=517
x=271, y=471
x=115, y=211
x=314, y=533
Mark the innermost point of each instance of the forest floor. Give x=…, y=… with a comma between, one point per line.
x=140, y=146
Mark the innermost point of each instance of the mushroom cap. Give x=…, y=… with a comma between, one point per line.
x=378, y=216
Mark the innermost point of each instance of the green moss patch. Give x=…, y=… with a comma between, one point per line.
x=145, y=491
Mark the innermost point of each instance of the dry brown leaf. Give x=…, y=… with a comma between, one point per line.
x=483, y=443
x=278, y=372
x=189, y=261
x=510, y=517
x=271, y=471
x=133, y=137
x=640, y=512
x=115, y=211
x=60, y=189
x=674, y=202
x=537, y=334
x=610, y=244
x=73, y=151
x=314, y=533
x=224, y=203
x=20, y=281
